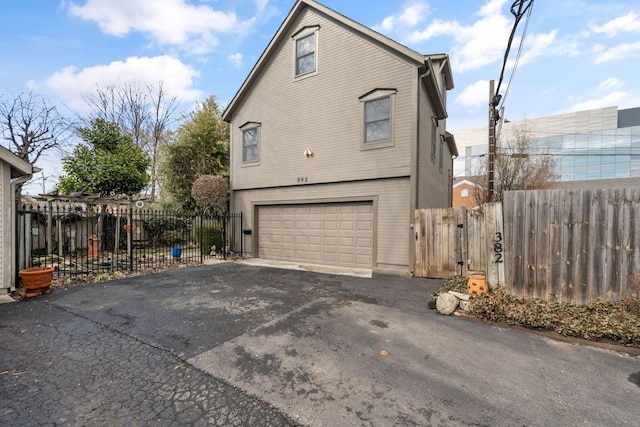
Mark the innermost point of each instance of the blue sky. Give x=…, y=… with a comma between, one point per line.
x=577, y=54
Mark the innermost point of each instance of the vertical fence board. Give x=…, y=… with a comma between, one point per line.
x=519, y=282
x=494, y=243
x=542, y=244
x=510, y=245
x=529, y=249
x=577, y=265
x=634, y=263
x=611, y=273
x=598, y=240
x=556, y=264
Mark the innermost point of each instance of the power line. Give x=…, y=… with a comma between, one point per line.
x=522, y=7
x=517, y=61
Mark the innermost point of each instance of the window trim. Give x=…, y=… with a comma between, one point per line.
x=376, y=95
x=434, y=135
x=441, y=158
x=299, y=35
x=248, y=126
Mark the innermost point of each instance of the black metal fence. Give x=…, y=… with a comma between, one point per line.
x=79, y=239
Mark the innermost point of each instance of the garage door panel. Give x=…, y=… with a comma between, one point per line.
x=333, y=234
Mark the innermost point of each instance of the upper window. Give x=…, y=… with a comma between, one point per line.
x=306, y=50
x=464, y=192
x=434, y=132
x=441, y=161
x=250, y=142
x=378, y=118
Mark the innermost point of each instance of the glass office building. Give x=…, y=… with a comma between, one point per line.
x=610, y=152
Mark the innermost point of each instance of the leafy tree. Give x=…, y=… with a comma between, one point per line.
x=31, y=126
x=109, y=163
x=199, y=147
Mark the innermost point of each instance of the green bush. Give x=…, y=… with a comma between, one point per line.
x=600, y=320
x=208, y=236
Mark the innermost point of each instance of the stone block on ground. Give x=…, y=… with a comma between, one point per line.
x=465, y=305
x=460, y=295
x=447, y=303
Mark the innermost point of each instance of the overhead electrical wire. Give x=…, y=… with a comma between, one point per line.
x=517, y=60
x=519, y=9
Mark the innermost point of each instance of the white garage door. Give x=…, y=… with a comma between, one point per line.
x=332, y=234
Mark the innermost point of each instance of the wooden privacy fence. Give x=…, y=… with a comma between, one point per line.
x=453, y=242
x=571, y=245
x=560, y=245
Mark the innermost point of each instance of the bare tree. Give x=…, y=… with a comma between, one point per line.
x=144, y=113
x=520, y=164
x=30, y=126
x=164, y=109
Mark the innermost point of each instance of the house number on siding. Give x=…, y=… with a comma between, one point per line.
x=497, y=248
x=303, y=179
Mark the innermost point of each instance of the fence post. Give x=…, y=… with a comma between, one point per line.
x=130, y=237
x=224, y=234
x=241, y=236
x=202, y=236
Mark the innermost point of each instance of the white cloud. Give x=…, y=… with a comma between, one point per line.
x=475, y=95
x=73, y=84
x=167, y=22
x=539, y=44
x=476, y=45
x=261, y=4
x=629, y=23
x=614, y=98
x=409, y=17
x=611, y=83
x=235, y=59
x=621, y=51
x=413, y=14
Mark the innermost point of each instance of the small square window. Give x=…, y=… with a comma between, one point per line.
x=306, y=54
x=250, y=145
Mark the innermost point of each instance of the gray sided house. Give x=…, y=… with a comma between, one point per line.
x=13, y=170
x=337, y=135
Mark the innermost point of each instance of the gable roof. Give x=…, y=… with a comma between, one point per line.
x=18, y=166
x=402, y=51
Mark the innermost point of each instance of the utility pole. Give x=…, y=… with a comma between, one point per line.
x=494, y=101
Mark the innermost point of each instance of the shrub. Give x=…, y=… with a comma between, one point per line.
x=209, y=236
x=600, y=320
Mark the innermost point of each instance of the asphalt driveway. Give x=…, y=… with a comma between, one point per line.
x=232, y=344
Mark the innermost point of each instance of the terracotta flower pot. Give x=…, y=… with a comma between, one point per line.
x=36, y=280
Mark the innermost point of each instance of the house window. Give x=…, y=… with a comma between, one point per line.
x=441, y=160
x=250, y=142
x=464, y=192
x=434, y=126
x=306, y=54
x=378, y=118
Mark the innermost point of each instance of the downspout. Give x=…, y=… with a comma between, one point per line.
x=414, y=180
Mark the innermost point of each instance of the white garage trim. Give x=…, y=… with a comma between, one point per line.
x=340, y=234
